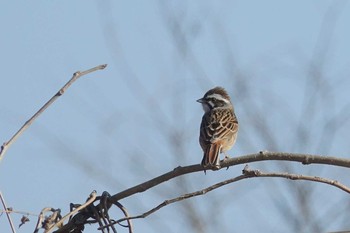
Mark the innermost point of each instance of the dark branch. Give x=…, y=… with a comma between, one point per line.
x=104, y=204
x=262, y=156
x=247, y=173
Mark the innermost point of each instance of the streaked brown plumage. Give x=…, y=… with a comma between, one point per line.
x=219, y=127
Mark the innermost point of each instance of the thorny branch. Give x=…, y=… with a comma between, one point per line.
x=76, y=75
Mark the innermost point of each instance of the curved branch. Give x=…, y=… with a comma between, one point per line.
x=303, y=158
x=129, y=225
x=261, y=156
x=246, y=174
x=76, y=75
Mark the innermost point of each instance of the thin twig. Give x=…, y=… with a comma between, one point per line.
x=129, y=220
x=19, y=212
x=126, y=214
x=185, y=196
x=262, y=156
x=91, y=199
x=7, y=214
x=246, y=174
x=258, y=173
x=76, y=75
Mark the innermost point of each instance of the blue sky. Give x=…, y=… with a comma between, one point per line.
x=116, y=128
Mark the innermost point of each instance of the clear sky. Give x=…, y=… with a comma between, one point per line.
x=281, y=61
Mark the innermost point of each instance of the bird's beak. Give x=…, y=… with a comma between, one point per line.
x=200, y=100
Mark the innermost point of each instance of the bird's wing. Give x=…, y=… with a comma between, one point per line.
x=218, y=124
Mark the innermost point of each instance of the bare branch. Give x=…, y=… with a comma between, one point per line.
x=305, y=159
x=247, y=173
x=76, y=75
x=100, y=212
x=130, y=226
x=7, y=213
x=262, y=156
x=335, y=183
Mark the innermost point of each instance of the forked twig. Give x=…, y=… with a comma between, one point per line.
x=76, y=75
x=258, y=173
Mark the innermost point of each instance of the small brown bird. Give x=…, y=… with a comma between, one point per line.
x=219, y=127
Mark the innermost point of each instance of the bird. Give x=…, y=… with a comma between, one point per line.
x=219, y=127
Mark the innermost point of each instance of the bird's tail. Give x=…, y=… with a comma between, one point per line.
x=211, y=156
